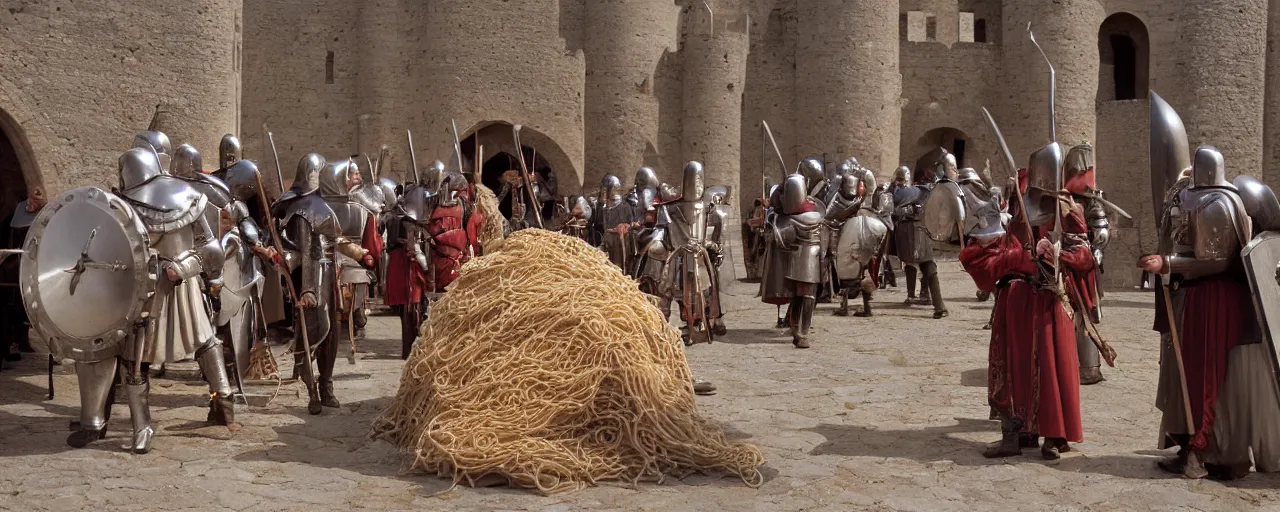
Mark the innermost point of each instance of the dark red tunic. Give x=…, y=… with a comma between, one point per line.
x=1033, y=369
x=1214, y=313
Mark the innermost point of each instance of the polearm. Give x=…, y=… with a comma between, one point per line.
x=528, y=178
x=457, y=147
x=271, y=140
x=383, y=153
x=413, y=159
x=308, y=375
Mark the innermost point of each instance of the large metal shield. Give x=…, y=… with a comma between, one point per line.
x=858, y=243
x=944, y=212
x=1261, y=257
x=85, y=275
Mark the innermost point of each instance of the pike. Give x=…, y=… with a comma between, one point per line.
x=457, y=147
x=271, y=140
x=383, y=154
x=413, y=160
x=1004, y=146
x=528, y=178
x=1053, y=139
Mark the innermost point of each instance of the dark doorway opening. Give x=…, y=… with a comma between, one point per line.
x=958, y=151
x=1126, y=61
x=980, y=31
x=13, y=185
x=1124, y=54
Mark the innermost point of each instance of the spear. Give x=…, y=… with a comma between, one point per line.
x=271, y=141
x=413, y=159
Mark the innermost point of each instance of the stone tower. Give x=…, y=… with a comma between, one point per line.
x=1222, y=72
x=624, y=41
x=847, y=81
x=714, y=54
x=1067, y=30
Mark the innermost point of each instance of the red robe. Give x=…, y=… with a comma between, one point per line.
x=1033, y=369
x=449, y=244
x=405, y=278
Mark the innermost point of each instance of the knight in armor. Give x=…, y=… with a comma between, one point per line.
x=408, y=263
x=575, y=217
x=717, y=198
x=690, y=275
x=613, y=222
x=1033, y=371
x=157, y=142
x=753, y=237
x=13, y=316
x=1079, y=179
x=914, y=247
x=857, y=240
x=342, y=188
x=901, y=180
x=308, y=226
x=185, y=244
x=1229, y=371
x=882, y=208
x=793, y=261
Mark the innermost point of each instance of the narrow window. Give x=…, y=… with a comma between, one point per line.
x=931, y=29
x=980, y=31
x=915, y=26
x=1126, y=60
x=328, y=68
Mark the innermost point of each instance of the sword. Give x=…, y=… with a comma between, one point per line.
x=776, y=152
x=1004, y=146
x=413, y=159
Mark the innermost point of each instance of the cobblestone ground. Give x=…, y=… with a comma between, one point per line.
x=887, y=413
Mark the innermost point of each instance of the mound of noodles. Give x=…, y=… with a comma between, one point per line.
x=491, y=230
x=545, y=364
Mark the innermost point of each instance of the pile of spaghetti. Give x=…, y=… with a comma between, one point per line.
x=546, y=365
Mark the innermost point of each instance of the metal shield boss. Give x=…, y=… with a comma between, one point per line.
x=1260, y=260
x=85, y=276
x=944, y=212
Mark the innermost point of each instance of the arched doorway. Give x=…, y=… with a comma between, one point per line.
x=1125, y=53
x=951, y=139
x=13, y=183
x=500, y=156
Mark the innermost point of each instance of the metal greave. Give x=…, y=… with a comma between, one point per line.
x=96, y=380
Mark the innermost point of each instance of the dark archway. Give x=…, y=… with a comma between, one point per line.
x=951, y=139
x=499, y=157
x=1124, y=50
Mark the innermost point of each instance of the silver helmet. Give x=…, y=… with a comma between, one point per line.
x=228, y=151
x=812, y=169
x=693, y=187
x=902, y=176
x=580, y=203
x=853, y=162
x=968, y=175
x=795, y=191
x=646, y=177
x=610, y=186
x=1208, y=168
x=849, y=186
x=946, y=168
x=334, y=177
x=433, y=177
x=137, y=167
x=307, y=180
x=1045, y=168
x=186, y=162
x=158, y=142
x=1259, y=202
x=717, y=194
x=242, y=179
x=389, y=196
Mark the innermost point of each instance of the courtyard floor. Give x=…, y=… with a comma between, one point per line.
x=886, y=413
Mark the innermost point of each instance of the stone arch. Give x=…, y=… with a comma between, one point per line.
x=496, y=137
x=1124, y=51
x=953, y=140
x=16, y=144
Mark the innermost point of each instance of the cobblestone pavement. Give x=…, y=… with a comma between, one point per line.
x=886, y=413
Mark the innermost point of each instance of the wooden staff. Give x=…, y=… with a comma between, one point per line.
x=308, y=375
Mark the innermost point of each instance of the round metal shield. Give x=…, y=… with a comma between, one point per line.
x=85, y=276
x=944, y=211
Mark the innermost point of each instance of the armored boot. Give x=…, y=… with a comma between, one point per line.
x=1090, y=358
x=325, y=359
x=866, y=306
x=1009, y=445
x=97, y=380
x=782, y=319
x=935, y=293
x=911, y=284
x=800, y=333
x=844, y=304
x=138, y=390
x=210, y=358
